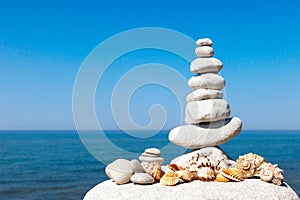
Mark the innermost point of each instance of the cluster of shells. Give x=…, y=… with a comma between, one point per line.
x=200, y=168
x=252, y=165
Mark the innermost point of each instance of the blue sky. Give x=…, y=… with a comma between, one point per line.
x=43, y=43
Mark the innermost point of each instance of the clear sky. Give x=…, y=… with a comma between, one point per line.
x=43, y=43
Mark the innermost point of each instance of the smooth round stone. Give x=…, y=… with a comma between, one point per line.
x=154, y=151
x=120, y=171
x=207, y=81
x=151, y=159
x=204, y=42
x=203, y=94
x=206, y=65
x=192, y=136
x=142, y=178
x=206, y=111
x=204, y=51
x=136, y=166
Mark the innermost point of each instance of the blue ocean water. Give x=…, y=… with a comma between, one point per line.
x=56, y=165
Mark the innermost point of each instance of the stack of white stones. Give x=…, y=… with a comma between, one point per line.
x=207, y=112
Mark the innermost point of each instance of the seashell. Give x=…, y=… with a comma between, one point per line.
x=148, y=166
x=266, y=175
x=203, y=172
x=184, y=175
x=153, y=169
x=156, y=174
x=271, y=173
x=249, y=164
x=232, y=174
x=199, y=167
x=221, y=178
x=174, y=167
x=169, y=179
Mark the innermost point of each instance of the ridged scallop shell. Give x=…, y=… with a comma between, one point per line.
x=271, y=173
x=250, y=164
x=169, y=179
x=153, y=169
x=184, y=175
x=174, y=167
x=232, y=174
x=221, y=178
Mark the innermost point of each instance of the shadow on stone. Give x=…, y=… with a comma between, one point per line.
x=214, y=125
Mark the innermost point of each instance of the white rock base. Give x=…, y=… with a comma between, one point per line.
x=249, y=189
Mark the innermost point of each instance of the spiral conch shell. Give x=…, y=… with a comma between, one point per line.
x=169, y=179
x=271, y=173
x=250, y=164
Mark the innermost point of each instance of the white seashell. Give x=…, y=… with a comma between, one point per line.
x=271, y=173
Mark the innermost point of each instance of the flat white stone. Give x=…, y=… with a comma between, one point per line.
x=204, y=42
x=206, y=111
x=203, y=94
x=249, y=189
x=206, y=65
x=151, y=159
x=192, y=136
x=154, y=151
x=149, y=155
x=207, y=81
x=216, y=156
x=142, y=178
x=119, y=170
x=204, y=51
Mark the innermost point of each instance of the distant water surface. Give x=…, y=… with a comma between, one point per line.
x=56, y=165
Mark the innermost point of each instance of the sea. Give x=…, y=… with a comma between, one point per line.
x=63, y=165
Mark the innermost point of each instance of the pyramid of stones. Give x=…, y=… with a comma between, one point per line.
x=207, y=114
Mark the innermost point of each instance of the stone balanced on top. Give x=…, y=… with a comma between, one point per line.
x=207, y=113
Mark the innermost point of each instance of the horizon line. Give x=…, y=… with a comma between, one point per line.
x=132, y=130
